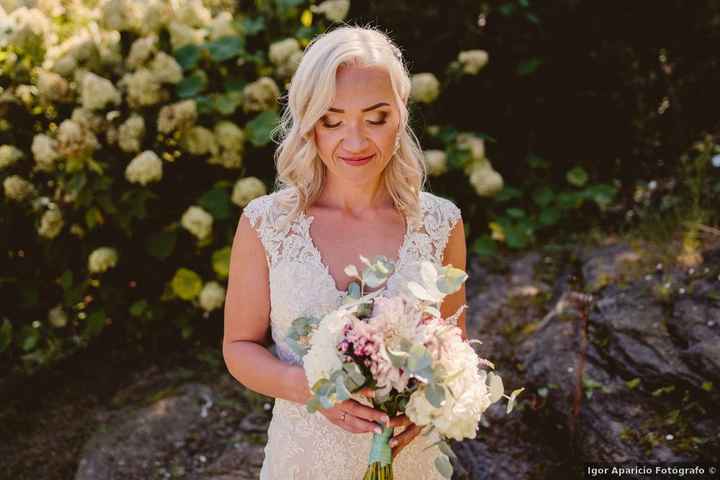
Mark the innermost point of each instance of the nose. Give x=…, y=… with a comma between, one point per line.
x=355, y=140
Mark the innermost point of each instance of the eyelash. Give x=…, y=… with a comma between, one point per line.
x=381, y=122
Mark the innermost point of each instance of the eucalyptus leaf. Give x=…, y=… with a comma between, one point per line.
x=352, y=271
x=443, y=465
x=354, y=289
x=513, y=398
x=419, y=358
x=420, y=292
x=495, y=387
x=341, y=391
x=446, y=449
x=398, y=359
x=435, y=394
x=313, y=405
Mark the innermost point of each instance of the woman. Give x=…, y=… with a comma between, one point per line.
x=350, y=182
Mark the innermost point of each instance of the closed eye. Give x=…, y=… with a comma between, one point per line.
x=382, y=122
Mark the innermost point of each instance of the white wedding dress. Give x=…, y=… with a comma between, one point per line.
x=305, y=446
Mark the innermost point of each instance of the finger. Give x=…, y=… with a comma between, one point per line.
x=359, y=410
x=404, y=438
x=367, y=391
x=358, y=425
x=400, y=421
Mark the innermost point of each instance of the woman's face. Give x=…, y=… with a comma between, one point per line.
x=362, y=121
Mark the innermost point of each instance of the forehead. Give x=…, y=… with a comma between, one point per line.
x=358, y=87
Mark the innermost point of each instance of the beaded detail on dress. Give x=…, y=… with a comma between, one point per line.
x=302, y=445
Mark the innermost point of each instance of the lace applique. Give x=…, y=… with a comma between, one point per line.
x=307, y=446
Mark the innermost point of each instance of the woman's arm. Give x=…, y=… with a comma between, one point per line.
x=456, y=254
x=247, y=321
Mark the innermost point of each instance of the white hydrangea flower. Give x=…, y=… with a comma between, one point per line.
x=57, y=317
x=30, y=26
x=131, y=133
x=473, y=61
x=323, y=358
x=165, y=68
x=177, y=116
x=486, y=181
x=145, y=168
x=212, y=296
x=120, y=15
x=282, y=50
x=88, y=119
x=474, y=144
x=97, y=92
x=227, y=158
x=229, y=135
x=247, y=189
x=52, y=86
x=141, y=50
x=9, y=154
x=197, y=221
x=199, y=140
x=222, y=26
x=436, y=162
x=181, y=35
x=17, y=188
x=334, y=10
x=142, y=88
x=156, y=15
x=260, y=95
x=74, y=140
x=102, y=259
x=109, y=48
x=425, y=87
x=51, y=223
x=192, y=13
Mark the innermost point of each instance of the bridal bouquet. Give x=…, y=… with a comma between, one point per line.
x=416, y=362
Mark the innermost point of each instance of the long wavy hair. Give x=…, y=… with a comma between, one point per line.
x=300, y=171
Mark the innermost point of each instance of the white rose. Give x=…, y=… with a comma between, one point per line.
x=165, y=68
x=260, y=95
x=51, y=223
x=436, y=162
x=17, y=188
x=141, y=50
x=177, y=116
x=199, y=140
x=322, y=359
x=473, y=61
x=197, y=221
x=212, y=296
x=247, y=189
x=57, y=317
x=334, y=10
x=97, y=92
x=101, y=259
x=9, y=154
x=130, y=133
x=145, y=168
x=425, y=87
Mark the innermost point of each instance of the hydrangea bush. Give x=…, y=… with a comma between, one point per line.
x=132, y=133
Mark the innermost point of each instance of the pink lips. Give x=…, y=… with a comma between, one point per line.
x=357, y=160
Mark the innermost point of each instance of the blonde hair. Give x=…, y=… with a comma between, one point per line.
x=300, y=171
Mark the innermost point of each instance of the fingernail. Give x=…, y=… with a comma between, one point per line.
x=385, y=419
x=377, y=430
x=393, y=443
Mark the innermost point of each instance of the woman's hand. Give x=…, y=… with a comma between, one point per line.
x=401, y=440
x=355, y=417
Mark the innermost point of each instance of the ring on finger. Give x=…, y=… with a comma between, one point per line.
x=342, y=417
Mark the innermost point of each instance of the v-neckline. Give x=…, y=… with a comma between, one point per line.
x=323, y=264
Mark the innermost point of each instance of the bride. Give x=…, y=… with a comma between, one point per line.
x=350, y=179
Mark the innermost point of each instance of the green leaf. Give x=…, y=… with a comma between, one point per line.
x=205, y=104
x=354, y=372
x=226, y=103
x=217, y=201
x=138, y=307
x=549, y=216
x=5, y=334
x=225, y=48
x=513, y=398
x=221, y=261
x=398, y=359
x=543, y=196
x=435, y=394
x=536, y=161
x=186, y=284
x=251, y=26
x=515, y=212
x=192, y=85
x=602, y=194
x=260, y=128
x=30, y=337
x=529, y=66
x=313, y=405
x=508, y=193
x=631, y=384
x=66, y=280
x=188, y=56
x=485, y=246
x=419, y=358
x=94, y=323
x=577, y=176
x=446, y=449
x=443, y=465
x=568, y=200
x=161, y=244
x=341, y=391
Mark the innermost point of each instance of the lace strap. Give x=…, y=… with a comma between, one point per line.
x=441, y=216
x=260, y=214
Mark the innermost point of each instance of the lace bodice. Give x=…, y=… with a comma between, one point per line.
x=307, y=446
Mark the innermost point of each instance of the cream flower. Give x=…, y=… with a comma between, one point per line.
x=88, y=119
x=165, y=68
x=102, y=259
x=473, y=61
x=470, y=142
x=120, y=14
x=222, y=26
x=261, y=95
x=192, y=13
x=229, y=135
x=130, y=133
x=322, y=359
x=51, y=86
x=97, y=92
x=57, y=317
x=17, y=188
x=246, y=189
x=486, y=181
x=199, y=140
x=141, y=50
x=334, y=10
x=51, y=223
x=74, y=140
x=425, y=87
x=177, y=116
x=281, y=51
x=212, y=296
x=145, y=168
x=197, y=221
x=181, y=35
x=436, y=162
x=30, y=26
x=9, y=154
x=142, y=88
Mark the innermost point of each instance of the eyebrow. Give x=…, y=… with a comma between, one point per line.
x=377, y=105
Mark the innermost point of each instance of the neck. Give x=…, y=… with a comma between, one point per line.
x=353, y=198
